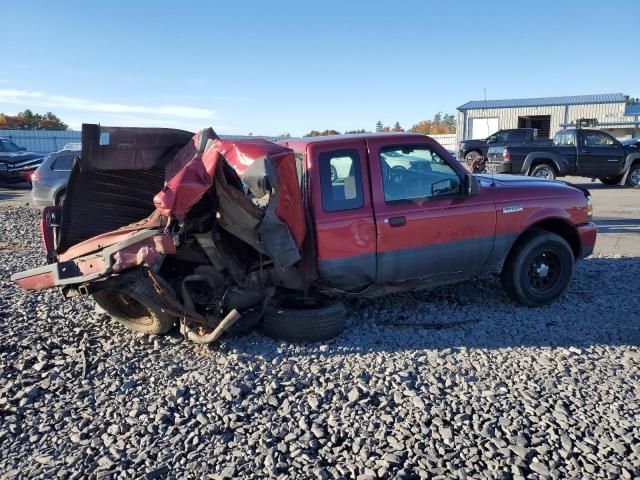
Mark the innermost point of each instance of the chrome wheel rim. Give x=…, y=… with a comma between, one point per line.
x=544, y=173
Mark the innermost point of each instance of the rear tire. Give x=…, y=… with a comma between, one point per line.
x=136, y=305
x=611, y=180
x=633, y=178
x=304, y=321
x=543, y=170
x=538, y=269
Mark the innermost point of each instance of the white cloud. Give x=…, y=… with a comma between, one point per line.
x=33, y=99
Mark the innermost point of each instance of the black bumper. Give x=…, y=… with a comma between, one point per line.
x=15, y=176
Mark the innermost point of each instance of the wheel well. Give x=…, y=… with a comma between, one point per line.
x=559, y=227
x=543, y=161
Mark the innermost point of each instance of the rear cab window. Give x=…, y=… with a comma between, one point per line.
x=340, y=180
x=564, y=139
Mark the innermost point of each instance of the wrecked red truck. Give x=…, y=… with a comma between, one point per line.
x=163, y=228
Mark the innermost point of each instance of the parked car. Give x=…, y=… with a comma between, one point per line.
x=49, y=181
x=470, y=150
x=161, y=228
x=574, y=151
x=16, y=164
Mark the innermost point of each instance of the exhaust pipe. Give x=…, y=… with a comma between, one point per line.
x=232, y=317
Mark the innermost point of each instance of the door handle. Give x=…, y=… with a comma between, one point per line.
x=396, y=221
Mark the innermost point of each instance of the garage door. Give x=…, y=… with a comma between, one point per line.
x=483, y=127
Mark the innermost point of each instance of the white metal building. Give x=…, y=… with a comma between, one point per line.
x=479, y=119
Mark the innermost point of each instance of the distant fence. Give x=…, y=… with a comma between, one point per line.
x=42, y=141
x=448, y=141
x=45, y=141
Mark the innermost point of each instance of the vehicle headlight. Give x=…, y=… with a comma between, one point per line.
x=589, y=207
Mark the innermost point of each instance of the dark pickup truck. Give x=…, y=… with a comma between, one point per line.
x=574, y=151
x=16, y=164
x=471, y=150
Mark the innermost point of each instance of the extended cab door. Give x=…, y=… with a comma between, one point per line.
x=427, y=228
x=599, y=154
x=343, y=212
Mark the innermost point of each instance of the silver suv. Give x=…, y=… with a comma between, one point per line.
x=49, y=181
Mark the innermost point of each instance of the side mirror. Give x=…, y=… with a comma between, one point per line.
x=471, y=185
x=492, y=139
x=23, y=149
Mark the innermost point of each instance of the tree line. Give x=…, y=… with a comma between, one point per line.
x=440, y=124
x=28, y=120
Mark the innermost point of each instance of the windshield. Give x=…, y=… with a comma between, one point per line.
x=9, y=146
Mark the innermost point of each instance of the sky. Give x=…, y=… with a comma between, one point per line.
x=274, y=67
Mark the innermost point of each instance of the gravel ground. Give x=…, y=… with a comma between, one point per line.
x=455, y=383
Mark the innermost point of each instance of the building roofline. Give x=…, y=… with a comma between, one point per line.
x=544, y=101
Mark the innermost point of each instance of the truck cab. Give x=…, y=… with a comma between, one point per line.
x=389, y=215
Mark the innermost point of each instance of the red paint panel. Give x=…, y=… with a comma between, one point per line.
x=429, y=221
x=345, y=233
x=540, y=202
x=587, y=234
x=148, y=251
x=39, y=281
x=110, y=238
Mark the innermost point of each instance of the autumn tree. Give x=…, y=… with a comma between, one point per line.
x=28, y=120
x=440, y=124
x=349, y=132
x=316, y=133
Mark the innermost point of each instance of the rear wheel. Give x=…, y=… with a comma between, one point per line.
x=538, y=269
x=304, y=320
x=611, y=180
x=543, y=170
x=633, y=179
x=136, y=305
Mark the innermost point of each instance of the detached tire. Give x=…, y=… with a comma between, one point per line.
x=543, y=170
x=307, y=321
x=538, y=269
x=136, y=305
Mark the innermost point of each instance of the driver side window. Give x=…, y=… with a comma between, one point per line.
x=415, y=173
x=597, y=139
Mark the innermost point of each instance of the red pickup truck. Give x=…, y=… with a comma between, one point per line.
x=163, y=227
